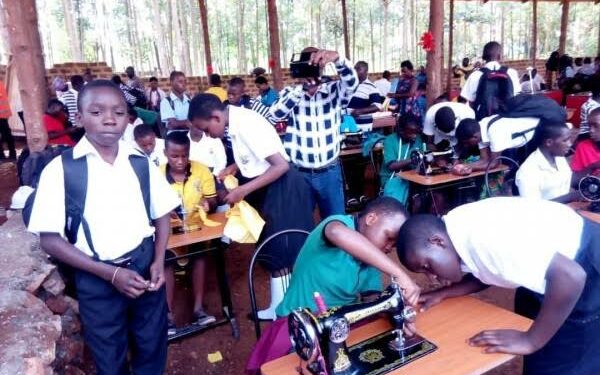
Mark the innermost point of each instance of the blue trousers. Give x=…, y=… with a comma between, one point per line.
x=327, y=190
x=113, y=324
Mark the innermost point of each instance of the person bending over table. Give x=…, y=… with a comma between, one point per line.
x=440, y=124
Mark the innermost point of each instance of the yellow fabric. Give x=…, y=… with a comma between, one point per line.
x=215, y=357
x=218, y=91
x=244, y=224
x=230, y=182
x=206, y=221
x=199, y=185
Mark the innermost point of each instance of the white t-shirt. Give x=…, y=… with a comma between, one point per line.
x=469, y=90
x=157, y=156
x=253, y=139
x=210, y=152
x=461, y=111
x=128, y=133
x=536, y=178
x=114, y=207
x=506, y=133
x=383, y=86
x=510, y=241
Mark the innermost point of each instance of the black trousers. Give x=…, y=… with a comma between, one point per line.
x=113, y=324
x=7, y=137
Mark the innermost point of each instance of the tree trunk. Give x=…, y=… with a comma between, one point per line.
x=159, y=36
x=405, y=27
x=204, y=20
x=28, y=60
x=386, y=3
x=345, y=29
x=372, y=42
x=72, y=30
x=564, y=23
x=434, y=62
x=241, y=55
x=450, y=47
x=534, y=33
x=354, y=28
x=274, y=44
x=182, y=35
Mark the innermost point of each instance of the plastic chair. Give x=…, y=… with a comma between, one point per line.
x=257, y=256
x=508, y=182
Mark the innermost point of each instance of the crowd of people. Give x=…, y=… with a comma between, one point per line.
x=153, y=156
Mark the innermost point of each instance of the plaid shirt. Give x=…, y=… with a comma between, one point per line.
x=312, y=138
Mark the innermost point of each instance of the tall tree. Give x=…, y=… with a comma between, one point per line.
x=534, y=32
x=385, y=4
x=434, y=57
x=345, y=29
x=196, y=37
x=450, y=47
x=28, y=60
x=241, y=45
x=159, y=37
x=182, y=35
x=275, y=49
x=564, y=23
x=72, y=31
x=205, y=37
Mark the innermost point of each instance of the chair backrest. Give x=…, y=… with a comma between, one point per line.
x=376, y=159
x=506, y=184
x=256, y=257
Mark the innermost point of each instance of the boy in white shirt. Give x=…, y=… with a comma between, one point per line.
x=134, y=121
x=543, y=246
x=441, y=120
x=149, y=145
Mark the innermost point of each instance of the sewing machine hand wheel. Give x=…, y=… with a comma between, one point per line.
x=303, y=335
x=589, y=187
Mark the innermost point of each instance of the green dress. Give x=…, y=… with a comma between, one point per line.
x=394, y=150
x=322, y=267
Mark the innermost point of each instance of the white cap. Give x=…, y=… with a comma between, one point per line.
x=20, y=196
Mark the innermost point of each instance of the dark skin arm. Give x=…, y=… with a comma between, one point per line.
x=399, y=165
x=162, y=229
x=485, y=155
x=365, y=111
x=409, y=94
x=468, y=285
x=565, y=280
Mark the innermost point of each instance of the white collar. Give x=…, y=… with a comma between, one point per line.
x=84, y=148
x=493, y=65
x=543, y=163
x=175, y=97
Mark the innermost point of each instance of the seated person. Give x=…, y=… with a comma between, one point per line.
x=342, y=258
x=546, y=173
x=440, y=123
x=587, y=152
x=267, y=95
x=532, y=84
x=134, y=121
x=55, y=121
x=513, y=242
x=396, y=156
x=592, y=103
x=195, y=185
x=147, y=143
x=365, y=100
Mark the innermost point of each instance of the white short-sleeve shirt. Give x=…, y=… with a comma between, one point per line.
x=536, y=178
x=510, y=241
x=461, y=111
x=253, y=139
x=469, y=90
x=210, y=152
x=506, y=133
x=114, y=207
x=128, y=133
x=179, y=110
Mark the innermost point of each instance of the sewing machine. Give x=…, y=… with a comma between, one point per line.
x=589, y=188
x=320, y=339
x=422, y=161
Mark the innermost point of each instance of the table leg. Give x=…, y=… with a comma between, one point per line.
x=225, y=290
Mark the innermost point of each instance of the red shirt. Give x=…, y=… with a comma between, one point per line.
x=54, y=124
x=586, y=153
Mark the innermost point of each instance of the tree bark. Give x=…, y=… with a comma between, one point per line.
x=163, y=64
x=28, y=60
x=345, y=29
x=241, y=45
x=564, y=23
x=205, y=37
x=182, y=34
x=534, y=33
x=434, y=57
x=274, y=44
x=386, y=3
x=72, y=30
x=450, y=47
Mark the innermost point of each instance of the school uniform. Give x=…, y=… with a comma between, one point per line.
x=128, y=133
x=503, y=133
x=469, y=90
x=157, y=157
x=285, y=203
x=119, y=228
x=536, y=178
x=394, y=149
x=586, y=108
x=461, y=112
x=210, y=152
x=174, y=107
x=510, y=242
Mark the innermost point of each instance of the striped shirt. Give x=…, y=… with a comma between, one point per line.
x=69, y=99
x=312, y=138
x=586, y=108
x=366, y=95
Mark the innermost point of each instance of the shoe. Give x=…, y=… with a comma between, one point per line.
x=363, y=199
x=278, y=287
x=171, y=327
x=201, y=318
x=352, y=202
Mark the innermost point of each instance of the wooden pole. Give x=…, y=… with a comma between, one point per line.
x=28, y=60
x=274, y=44
x=450, y=47
x=345, y=29
x=534, y=33
x=434, y=57
x=204, y=20
x=564, y=22
x=598, y=48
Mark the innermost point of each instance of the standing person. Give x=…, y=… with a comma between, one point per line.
x=154, y=95
x=312, y=138
x=551, y=66
x=236, y=95
x=5, y=132
x=421, y=76
x=117, y=254
x=174, y=107
x=262, y=160
x=69, y=98
x=383, y=84
x=406, y=89
x=267, y=95
x=215, y=87
x=55, y=122
x=133, y=81
x=464, y=71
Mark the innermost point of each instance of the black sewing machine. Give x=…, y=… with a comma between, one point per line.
x=589, y=188
x=424, y=161
x=320, y=339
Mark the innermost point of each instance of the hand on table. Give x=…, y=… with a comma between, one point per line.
x=157, y=275
x=129, y=282
x=461, y=170
x=430, y=299
x=503, y=341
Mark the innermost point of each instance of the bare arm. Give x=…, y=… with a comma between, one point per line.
x=365, y=111
x=278, y=167
x=485, y=156
x=468, y=285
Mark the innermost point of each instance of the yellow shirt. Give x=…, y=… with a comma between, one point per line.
x=218, y=91
x=198, y=185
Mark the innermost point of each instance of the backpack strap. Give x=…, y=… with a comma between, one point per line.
x=139, y=164
x=168, y=97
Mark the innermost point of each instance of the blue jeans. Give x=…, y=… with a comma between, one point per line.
x=327, y=190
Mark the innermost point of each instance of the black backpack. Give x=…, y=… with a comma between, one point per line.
x=76, y=180
x=494, y=88
x=538, y=105
x=31, y=164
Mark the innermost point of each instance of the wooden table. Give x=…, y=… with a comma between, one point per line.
x=582, y=209
x=384, y=121
x=447, y=325
x=444, y=178
x=208, y=235
x=348, y=151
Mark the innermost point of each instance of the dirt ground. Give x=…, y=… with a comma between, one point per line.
x=189, y=356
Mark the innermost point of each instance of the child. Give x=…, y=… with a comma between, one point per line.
x=134, y=121
x=260, y=157
x=195, y=186
x=119, y=276
x=509, y=242
x=587, y=153
x=207, y=150
x=55, y=121
x=149, y=145
x=342, y=258
x=396, y=156
x=592, y=103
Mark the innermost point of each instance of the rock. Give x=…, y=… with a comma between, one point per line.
x=73, y=370
x=57, y=305
x=36, y=366
x=54, y=284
